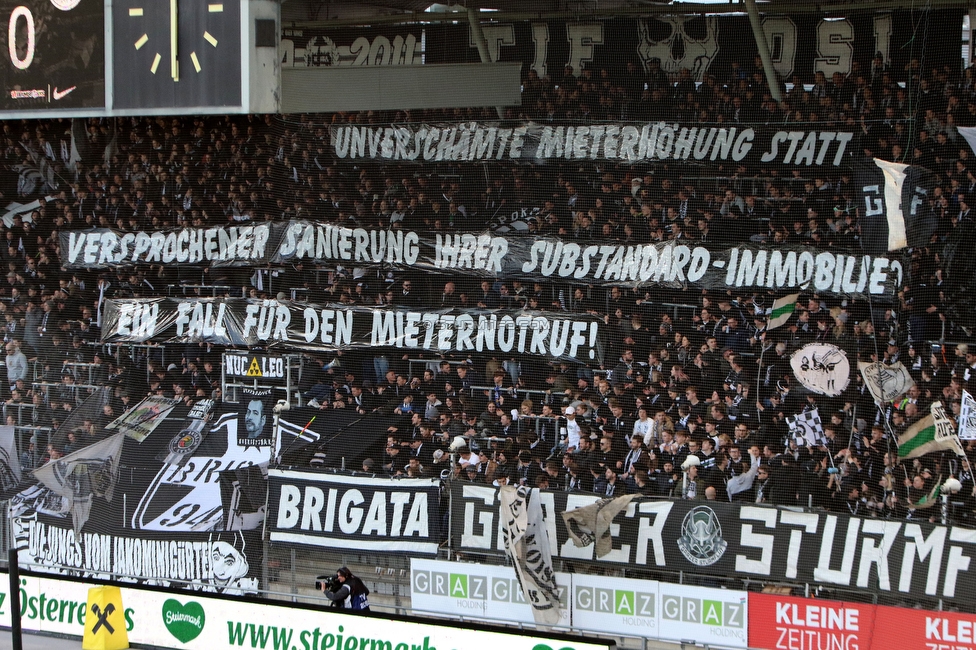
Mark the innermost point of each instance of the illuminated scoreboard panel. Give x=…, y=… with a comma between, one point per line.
x=52, y=54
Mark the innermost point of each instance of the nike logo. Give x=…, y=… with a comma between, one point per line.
x=58, y=95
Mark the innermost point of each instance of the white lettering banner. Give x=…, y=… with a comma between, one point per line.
x=493, y=255
x=261, y=322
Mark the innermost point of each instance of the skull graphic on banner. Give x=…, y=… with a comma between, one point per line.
x=679, y=42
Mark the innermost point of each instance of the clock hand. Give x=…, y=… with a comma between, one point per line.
x=174, y=61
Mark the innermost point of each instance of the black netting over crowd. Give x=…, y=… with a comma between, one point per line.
x=634, y=268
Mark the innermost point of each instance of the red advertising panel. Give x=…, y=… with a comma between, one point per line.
x=786, y=623
x=915, y=629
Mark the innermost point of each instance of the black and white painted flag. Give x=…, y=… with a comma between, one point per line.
x=81, y=476
x=967, y=417
x=806, y=429
x=10, y=472
x=896, y=206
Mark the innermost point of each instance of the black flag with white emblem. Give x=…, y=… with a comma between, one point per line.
x=897, y=213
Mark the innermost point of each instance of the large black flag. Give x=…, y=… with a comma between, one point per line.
x=897, y=213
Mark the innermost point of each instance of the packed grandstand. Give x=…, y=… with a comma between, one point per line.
x=612, y=305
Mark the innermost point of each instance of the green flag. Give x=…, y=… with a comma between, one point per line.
x=782, y=309
x=932, y=433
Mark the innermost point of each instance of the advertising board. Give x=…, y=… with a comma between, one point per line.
x=912, y=629
x=787, y=622
x=600, y=604
x=717, y=617
x=199, y=621
x=475, y=591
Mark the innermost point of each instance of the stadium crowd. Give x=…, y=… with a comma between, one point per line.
x=693, y=375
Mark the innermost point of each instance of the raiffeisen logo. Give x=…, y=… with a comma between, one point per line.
x=53, y=608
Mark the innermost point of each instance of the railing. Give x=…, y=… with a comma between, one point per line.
x=17, y=409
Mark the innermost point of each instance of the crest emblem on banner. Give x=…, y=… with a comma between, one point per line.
x=885, y=382
x=321, y=51
x=701, y=539
x=822, y=368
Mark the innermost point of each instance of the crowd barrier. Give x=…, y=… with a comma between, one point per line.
x=468, y=596
x=594, y=606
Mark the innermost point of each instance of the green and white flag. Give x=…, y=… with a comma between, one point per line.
x=782, y=309
x=934, y=432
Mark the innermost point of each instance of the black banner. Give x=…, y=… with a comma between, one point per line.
x=303, y=325
x=243, y=365
x=752, y=145
x=912, y=558
x=167, y=521
x=491, y=255
x=799, y=44
x=351, y=46
x=361, y=513
x=225, y=563
x=100, y=248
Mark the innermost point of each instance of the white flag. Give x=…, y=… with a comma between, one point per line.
x=83, y=475
x=967, y=417
x=822, y=368
x=527, y=543
x=885, y=382
x=9, y=461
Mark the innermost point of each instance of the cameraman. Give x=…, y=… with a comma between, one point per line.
x=346, y=586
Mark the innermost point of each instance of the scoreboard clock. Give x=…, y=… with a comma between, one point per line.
x=52, y=54
x=176, y=53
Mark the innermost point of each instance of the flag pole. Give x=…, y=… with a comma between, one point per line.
x=13, y=574
x=762, y=351
x=850, y=434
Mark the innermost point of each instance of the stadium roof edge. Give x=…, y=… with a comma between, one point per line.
x=775, y=7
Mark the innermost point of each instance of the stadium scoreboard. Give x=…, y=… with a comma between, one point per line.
x=77, y=58
x=53, y=54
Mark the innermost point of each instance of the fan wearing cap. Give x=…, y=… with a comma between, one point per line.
x=892, y=352
x=30, y=456
x=570, y=430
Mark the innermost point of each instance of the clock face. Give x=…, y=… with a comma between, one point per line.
x=204, y=67
x=52, y=54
